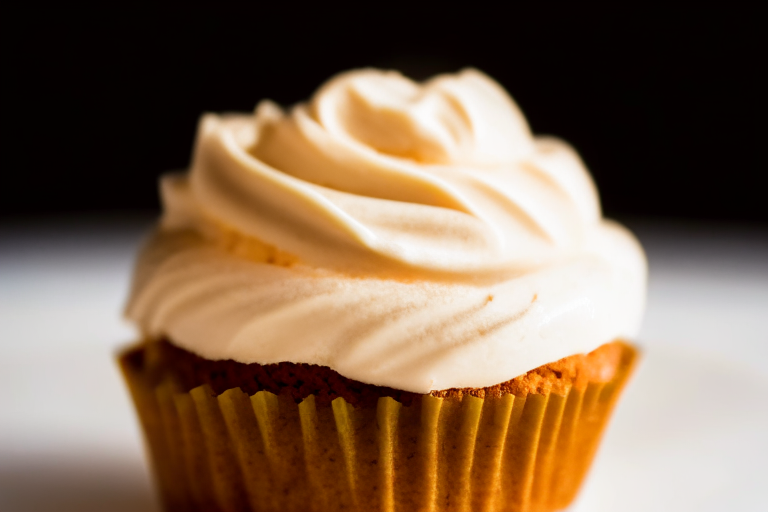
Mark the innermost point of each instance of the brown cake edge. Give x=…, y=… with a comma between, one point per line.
x=162, y=360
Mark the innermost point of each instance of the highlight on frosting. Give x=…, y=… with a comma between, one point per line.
x=413, y=235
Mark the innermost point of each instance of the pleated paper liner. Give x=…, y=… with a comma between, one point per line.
x=264, y=452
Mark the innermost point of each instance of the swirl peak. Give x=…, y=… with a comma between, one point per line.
x=383, y=175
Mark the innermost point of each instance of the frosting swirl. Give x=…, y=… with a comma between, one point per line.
x=409, y=235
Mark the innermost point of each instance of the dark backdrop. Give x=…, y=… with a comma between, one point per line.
x=665, y=106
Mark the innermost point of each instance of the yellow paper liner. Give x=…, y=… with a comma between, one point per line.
x=264, y=452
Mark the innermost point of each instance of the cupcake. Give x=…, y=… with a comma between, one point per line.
x=391, y=297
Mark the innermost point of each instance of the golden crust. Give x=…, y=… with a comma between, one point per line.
x=161, y=360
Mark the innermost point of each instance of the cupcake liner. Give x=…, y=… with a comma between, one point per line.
x=233, y=452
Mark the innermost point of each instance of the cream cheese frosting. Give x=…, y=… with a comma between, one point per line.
x=408, y=235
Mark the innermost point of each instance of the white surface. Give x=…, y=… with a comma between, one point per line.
x=69, y=439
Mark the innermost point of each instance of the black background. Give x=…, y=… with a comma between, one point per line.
x=665, y=106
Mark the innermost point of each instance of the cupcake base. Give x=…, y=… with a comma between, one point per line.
x=518, y=452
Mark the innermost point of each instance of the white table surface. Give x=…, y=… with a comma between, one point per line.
x=69, y=440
